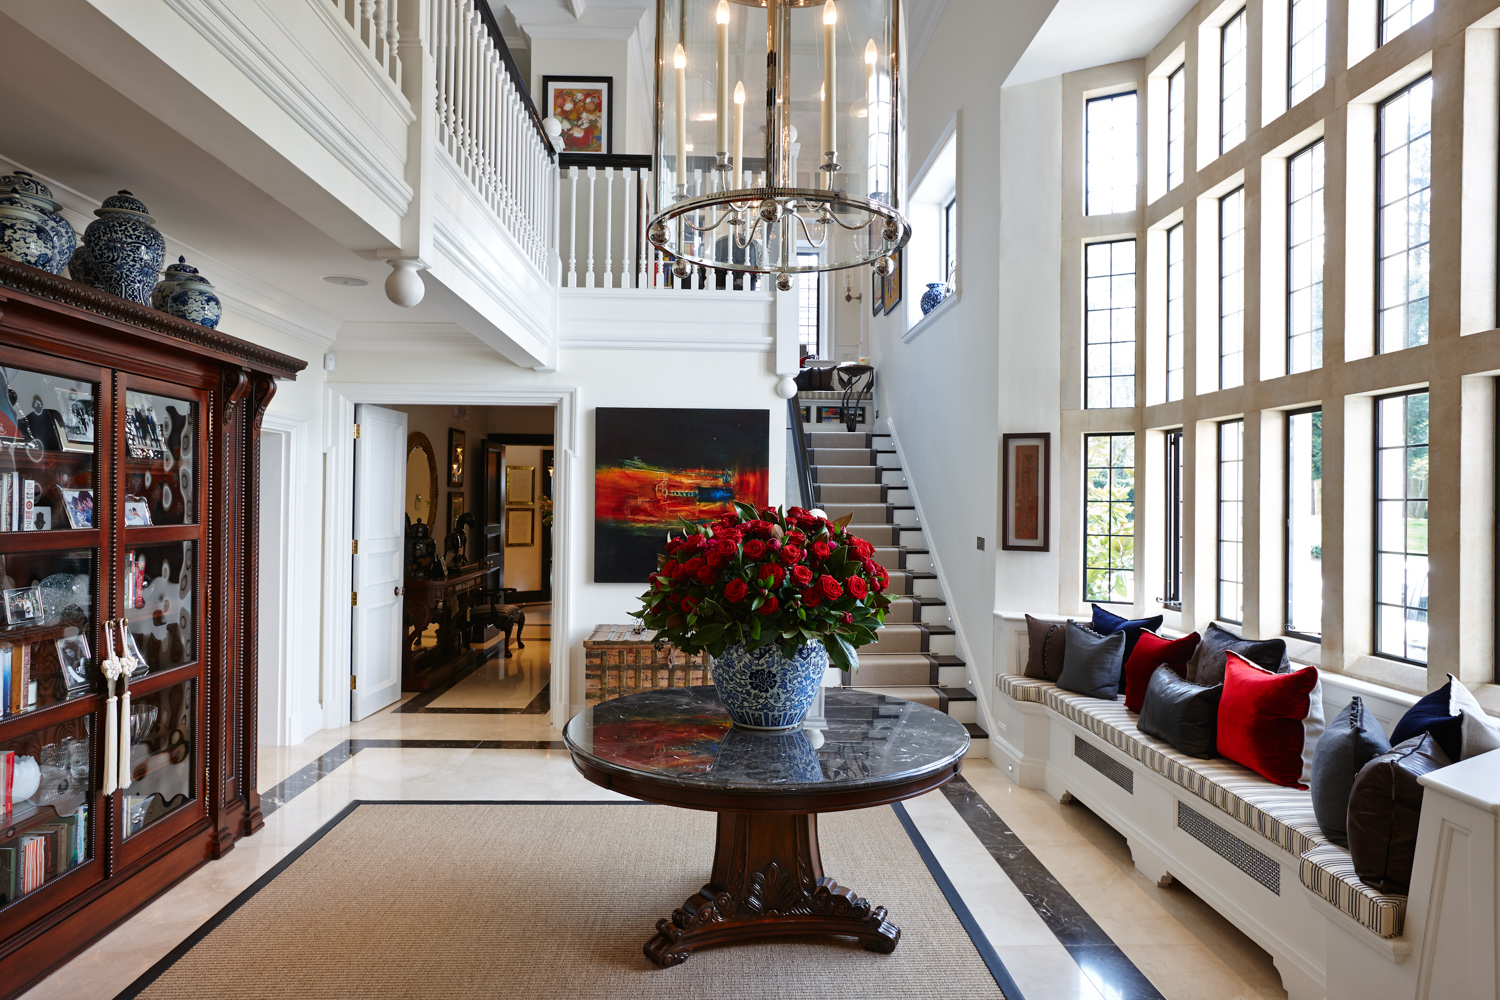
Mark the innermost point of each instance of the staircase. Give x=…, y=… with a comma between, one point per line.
x=915, y=655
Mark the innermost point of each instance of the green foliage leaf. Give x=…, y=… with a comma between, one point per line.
x=840, y=653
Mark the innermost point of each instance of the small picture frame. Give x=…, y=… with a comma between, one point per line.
x=584, y=106
x=455, y=510
x=520, y=485
x=41, y=518
x=892, y=285
x=79, y=506
x=137, y=512
x=518, y=528
x=23, y=605
x=456, y=455
x=877, y=294
x=73, y=658
x=1026, y=492
x=77, y=410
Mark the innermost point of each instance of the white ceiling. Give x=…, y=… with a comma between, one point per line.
x=1083, y=33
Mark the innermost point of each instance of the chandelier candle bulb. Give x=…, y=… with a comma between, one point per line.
x=830, y=89
x=679, y=60
x=723, y=88
x=739, y=134
x=872, y=55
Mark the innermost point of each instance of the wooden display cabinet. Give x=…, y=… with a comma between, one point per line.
x=140, y=435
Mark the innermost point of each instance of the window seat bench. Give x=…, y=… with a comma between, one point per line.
x=1253, y=849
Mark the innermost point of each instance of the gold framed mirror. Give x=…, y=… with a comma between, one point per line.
x=421, y=479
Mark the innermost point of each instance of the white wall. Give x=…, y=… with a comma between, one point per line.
x=599, y=57
x=987, y=364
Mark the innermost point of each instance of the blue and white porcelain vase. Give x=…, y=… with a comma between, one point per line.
x=125, y=249
x=936, y=292
x=186, y=294
x=788, y=757
x=762, y=689
x=24, y=234
x=38, y=197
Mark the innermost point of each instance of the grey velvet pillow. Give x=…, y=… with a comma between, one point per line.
x=1351, y=740
x=1091, y=662
x=1207, y=665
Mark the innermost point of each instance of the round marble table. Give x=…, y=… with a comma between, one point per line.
x=857, y=749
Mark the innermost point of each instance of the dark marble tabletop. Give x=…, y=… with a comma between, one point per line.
x=683, y=737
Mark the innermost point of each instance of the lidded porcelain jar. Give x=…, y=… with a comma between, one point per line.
x=24, y=234
x=186, y=294
x=125, y=250
x=38, y=197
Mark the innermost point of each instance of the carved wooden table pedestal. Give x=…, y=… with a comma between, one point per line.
x=857, y=749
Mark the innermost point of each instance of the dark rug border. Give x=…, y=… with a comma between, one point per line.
x=935, y=868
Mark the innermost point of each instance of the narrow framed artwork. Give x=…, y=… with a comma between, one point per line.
x=456, y=450
x=877, y=294
x=456, y=506
x=584, y=105
x=1026, y=460
x=891, y=292
x=519, y=531
x=520, y=485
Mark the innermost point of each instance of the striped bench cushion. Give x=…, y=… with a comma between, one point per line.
x=1283, y=816
x=1022, y=688
x=1329, y=872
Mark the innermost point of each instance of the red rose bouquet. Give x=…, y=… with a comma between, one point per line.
x=768, y=576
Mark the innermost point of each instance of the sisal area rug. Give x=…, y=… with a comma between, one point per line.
x=552, y=901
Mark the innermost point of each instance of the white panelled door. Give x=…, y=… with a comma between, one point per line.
x=380, y=534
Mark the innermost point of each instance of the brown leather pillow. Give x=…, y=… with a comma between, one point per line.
x=1384, y=809
x=1044, y=654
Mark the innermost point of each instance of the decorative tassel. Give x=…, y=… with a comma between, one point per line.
x=111, y=670
x=127, y=667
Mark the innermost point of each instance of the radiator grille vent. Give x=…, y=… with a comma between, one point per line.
x=1261, y=867
x=1104, y=764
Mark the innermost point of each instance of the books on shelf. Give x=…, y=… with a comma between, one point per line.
x=18, y=502
x=16, y=686
x=33, y=862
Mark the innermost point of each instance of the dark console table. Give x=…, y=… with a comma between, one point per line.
x=677, y=747
x=448, y=603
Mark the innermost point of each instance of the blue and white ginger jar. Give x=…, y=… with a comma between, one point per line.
x=186, y=294
x=936, y=292
x=125, y=250
x=38, y=197
x=762, y=689
x=24, y=234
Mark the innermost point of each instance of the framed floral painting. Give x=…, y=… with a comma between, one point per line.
x=585, y=107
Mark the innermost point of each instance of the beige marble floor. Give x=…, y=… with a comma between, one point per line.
x=1186, y=949
x=502, y=683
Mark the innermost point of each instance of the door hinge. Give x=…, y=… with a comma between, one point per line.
x=353, y=682
x=356, y=432
x=356, y=546
x=354, y=598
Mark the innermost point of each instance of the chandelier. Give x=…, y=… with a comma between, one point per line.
x=740, y=183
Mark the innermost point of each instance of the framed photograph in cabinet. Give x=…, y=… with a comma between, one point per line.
x=456, y=449
x=520, y=485
x=73, y=657
x=1026, y=461
x=23, y=605
x=518, y=528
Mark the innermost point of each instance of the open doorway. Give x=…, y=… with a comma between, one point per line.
x=474, y=594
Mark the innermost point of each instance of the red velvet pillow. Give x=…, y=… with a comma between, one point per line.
x=1261, y=719
x=1152, y=651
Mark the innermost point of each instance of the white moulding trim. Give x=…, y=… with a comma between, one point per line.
x=926, y=322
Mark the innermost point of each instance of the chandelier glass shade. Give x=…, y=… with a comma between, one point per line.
x=780, y=138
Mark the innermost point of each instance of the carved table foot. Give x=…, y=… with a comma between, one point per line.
x=768, y=881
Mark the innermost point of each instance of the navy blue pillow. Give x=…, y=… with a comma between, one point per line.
x=1430, y=715
x=1108, y=623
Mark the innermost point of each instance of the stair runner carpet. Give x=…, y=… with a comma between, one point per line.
x=856, y=473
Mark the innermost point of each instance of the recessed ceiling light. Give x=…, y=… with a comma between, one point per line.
x=347, y=280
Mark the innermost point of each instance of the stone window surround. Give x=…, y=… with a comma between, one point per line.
x=1457, y=366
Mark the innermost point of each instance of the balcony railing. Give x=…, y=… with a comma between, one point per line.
x=374, y=24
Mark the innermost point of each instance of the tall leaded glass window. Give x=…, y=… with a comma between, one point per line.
x=1109, y=323
x=1307, y=48
x=1304, y=523
x=1234, y=80
x=1304, y=260
x=1404, y=193
x=810, y=306
x=1231, y=530
x=1172, y=528
x=1109, y=518
x=1401, y=526
x=1175, y=321
x=1232, y=289
x=1110, y=170
x=1176, y=124
x=1398, y=15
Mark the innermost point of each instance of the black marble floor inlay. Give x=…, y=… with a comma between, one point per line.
x=274, y=798
x=1100, y=959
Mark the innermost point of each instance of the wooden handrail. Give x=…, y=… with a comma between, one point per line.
x=493, y=27
x=627, y=161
